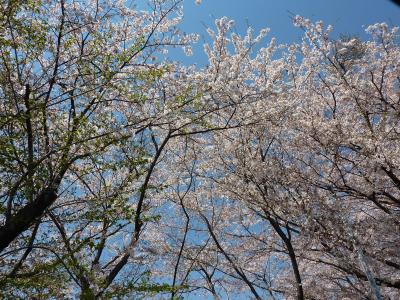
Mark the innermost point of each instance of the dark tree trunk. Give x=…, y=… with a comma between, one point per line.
x=25, y=217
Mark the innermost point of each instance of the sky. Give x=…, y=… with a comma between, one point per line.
x=346, y=16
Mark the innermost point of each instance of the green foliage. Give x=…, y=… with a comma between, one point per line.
x=45, y=281
x=144, y=289
x=31, y=32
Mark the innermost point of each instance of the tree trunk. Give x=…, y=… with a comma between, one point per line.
x=25, y=217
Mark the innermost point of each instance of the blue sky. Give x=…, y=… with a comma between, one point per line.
x=346, y=16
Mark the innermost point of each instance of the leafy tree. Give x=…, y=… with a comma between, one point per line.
x=88, y=109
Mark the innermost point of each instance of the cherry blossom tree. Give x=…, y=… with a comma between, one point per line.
x=347, y=133
x=302, y=201
x=271, y=173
